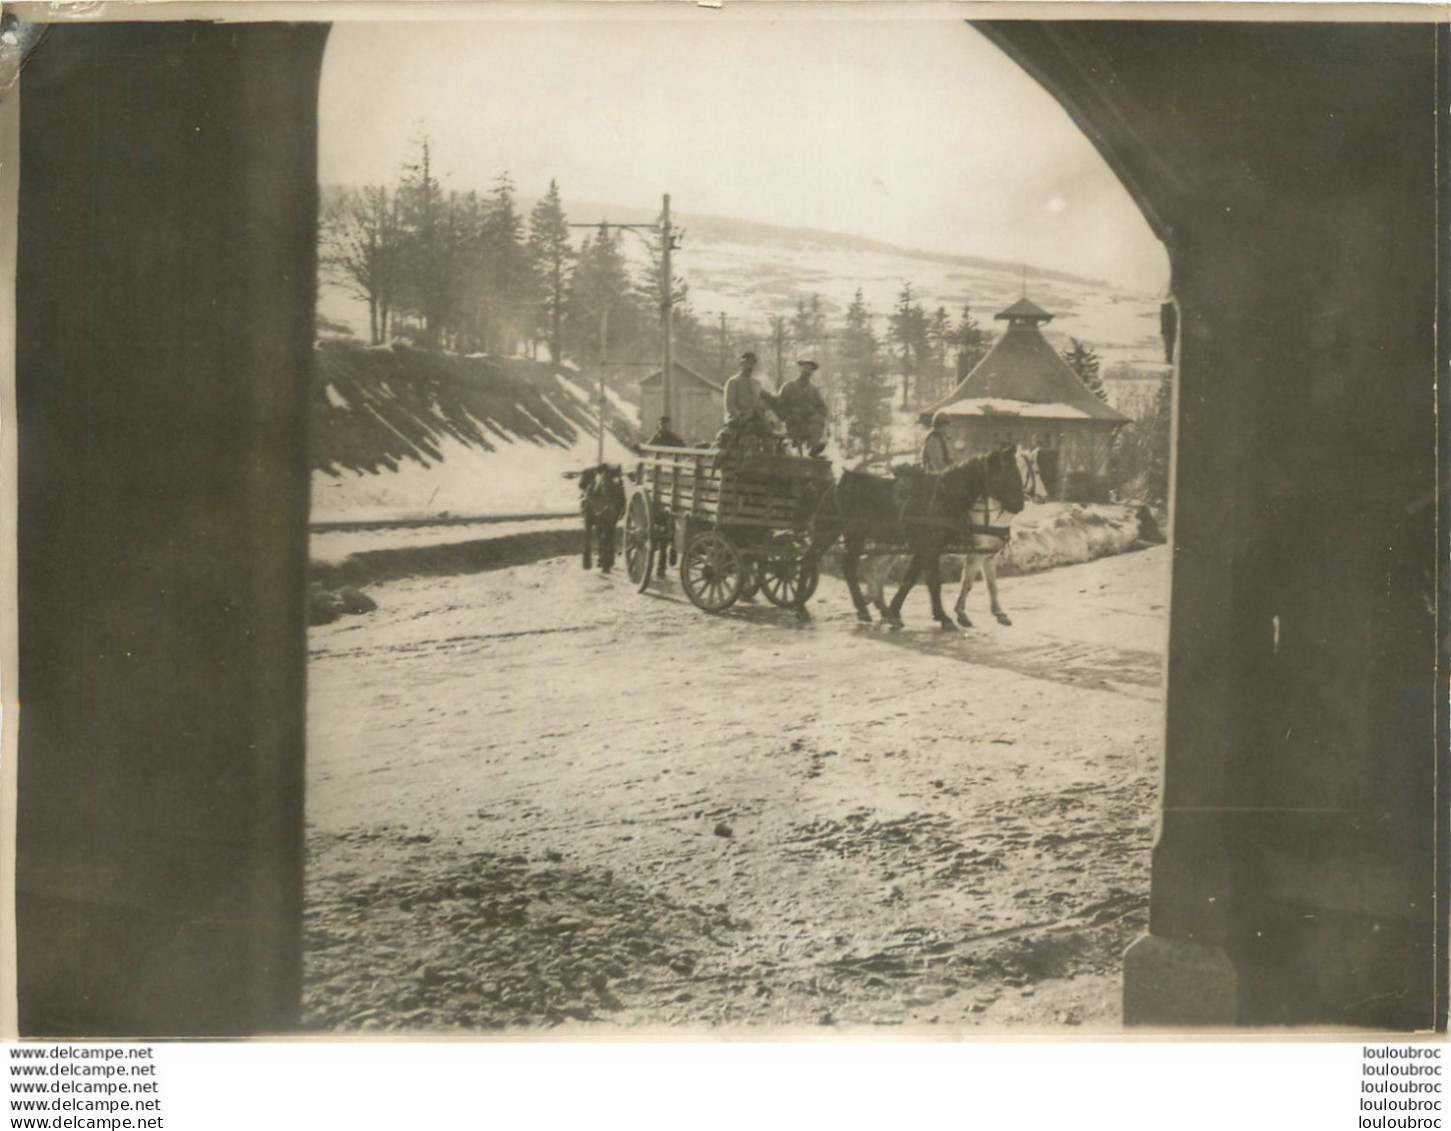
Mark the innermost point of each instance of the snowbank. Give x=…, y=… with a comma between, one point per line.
x=401, y=433
x=1056, y=534
x=1048, y=535
x=518, y=477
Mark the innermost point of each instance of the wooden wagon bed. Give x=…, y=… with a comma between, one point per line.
x=729, y=488
x=734, y=521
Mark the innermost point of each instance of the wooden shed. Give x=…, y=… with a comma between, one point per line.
x=1024, y=392
x=699, y=407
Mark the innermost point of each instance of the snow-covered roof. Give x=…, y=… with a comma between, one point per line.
x=1024, y=369
x=682, y=371
x=1024, y=308
x=1006, y=406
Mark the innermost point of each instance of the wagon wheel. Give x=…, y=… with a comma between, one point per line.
x=711, y=571
x=639, y=540
x=779, y=575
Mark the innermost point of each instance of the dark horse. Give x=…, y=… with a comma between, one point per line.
x=601, y=502
x=926, y=511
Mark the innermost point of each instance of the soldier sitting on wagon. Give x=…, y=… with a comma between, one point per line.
x=803, y=411
x=746, y=427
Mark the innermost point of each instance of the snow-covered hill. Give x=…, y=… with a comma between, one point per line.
x=403, y=433
x=750, y=271
x=490, y=455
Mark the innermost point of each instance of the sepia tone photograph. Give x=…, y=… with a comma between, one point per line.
x=596, y=522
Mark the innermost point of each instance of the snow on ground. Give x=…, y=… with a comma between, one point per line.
x=538, y=799
x=629, y=411
x=518, y=477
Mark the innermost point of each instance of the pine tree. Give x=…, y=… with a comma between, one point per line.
x=1084, y=362
x=466, y=228
x=908, y=329
x=550, y=254
x=428, y=281
x=808, y=324
x=939, y=346
x=600, y=286
x=972, y=343
x=868, y=408
x=507, y=274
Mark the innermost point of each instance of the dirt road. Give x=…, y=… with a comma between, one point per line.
x=538, y=799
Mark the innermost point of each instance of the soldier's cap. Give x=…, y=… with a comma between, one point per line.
x=748, y=356
x=808, y=365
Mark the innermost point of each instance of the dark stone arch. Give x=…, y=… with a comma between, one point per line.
x=168, y=204
x=1290, y=169
x=165, y=343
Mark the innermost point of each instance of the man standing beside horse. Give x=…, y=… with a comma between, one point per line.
x=936, y=455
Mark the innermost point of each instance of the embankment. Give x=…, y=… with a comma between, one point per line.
x=1043, y=537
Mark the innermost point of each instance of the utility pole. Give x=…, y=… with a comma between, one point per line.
x=724, y=348
x=778, y=331
x=667, y=303
x=667, y=308
x=604, y=346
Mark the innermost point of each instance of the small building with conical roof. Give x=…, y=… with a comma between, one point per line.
x=1024, y=392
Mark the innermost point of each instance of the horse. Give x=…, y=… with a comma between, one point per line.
x=982, y=548
x=925, y=510
x=601, y=503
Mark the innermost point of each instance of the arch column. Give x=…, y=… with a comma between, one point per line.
x=168, y=207
x=1290, y=171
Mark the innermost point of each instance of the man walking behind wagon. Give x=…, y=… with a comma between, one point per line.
x=803, y=411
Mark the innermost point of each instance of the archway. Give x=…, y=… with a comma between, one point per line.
x=161, y=766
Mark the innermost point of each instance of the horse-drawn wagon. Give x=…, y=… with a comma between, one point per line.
x=733, y=520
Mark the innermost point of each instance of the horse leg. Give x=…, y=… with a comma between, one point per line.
x=876, y=571
x=607, y=546
x=879, y=584
x=852, y=548
x=588, y=534
x=969, y=575
x=820, y=543
x=933, y=570
x=909, y=579
x=990, y=574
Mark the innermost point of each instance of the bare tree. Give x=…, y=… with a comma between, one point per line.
x=362, y=240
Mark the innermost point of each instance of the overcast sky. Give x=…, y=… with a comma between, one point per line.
x=914, y=131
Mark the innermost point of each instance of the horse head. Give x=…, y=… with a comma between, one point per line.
x=614, y=487
x=1029, y=475
x=1005, y=478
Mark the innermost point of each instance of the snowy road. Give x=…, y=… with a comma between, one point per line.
x=536, y=798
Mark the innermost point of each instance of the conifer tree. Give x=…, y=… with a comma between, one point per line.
x=599, y=288
x=1084, y=362
x=550, y=254
x=868, y=408
x=972, y=343
x=427, y=254
x=507, y=270
x=908, y=329
x=939, y=347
